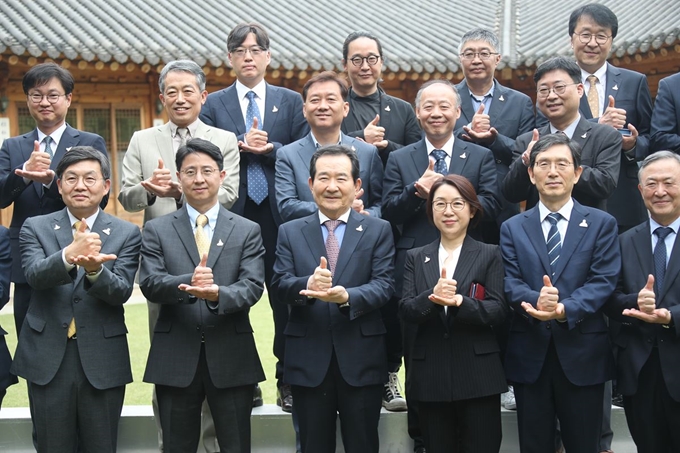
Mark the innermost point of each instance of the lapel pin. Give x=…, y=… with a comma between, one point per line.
x=57, y=227
x=69, y=148
x=501, y=98
x=275, y=109
x=427, y=259
x=615, y=88
x=353, y=148
x=106, y=231
x=220, y=243
x=387, y=109
x=360, y=228
x=584, y=135
x=463, y=156
x=583, y=223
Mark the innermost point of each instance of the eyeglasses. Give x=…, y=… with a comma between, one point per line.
x=72, y=180
x=372, y=60
x=254, y=51
x=207, y=172
x=52, y=98
x=558, y=89
x=483, y=55
x=561, y=165
x=456, y=205
x=586, y=37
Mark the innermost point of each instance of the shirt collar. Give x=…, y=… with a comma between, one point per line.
x=192, y=128
x=488, y=93
x=260, y=90
x=565, y=210
x=316, y=142
x=600, y=73
x=370, y=98
x=653, y=225
x=89, y=221
x=569, y=130
x=343, y=218
x=447, y=148
x=211, y=214
x=56, y=135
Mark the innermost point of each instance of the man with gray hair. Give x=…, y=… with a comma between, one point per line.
x=647, y=303
x=149, y=173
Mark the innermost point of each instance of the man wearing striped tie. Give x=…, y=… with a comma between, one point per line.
x=562, y=262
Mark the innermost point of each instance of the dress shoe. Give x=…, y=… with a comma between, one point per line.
x=284, y=398
x=257, y=396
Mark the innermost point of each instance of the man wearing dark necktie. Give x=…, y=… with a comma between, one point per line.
x=334, y=269
x=561, y=265
x=647, y=303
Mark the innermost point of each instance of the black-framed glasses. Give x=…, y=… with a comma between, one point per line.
x=72, y=180
x=52, y=98
x=558, y=89
x=599, y=38
x=483, y=55
x=207, y=172
x=242, y=51
x=456, y=205
x=372, y=60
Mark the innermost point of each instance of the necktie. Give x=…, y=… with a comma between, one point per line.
x=593, y=97
x=257, y=182
x=202, y=242
x=332, y=246
x=660, y=257
x=72, y=325
x=439, y=161
x=554, y=242
x=48, y=147
x=182, y=132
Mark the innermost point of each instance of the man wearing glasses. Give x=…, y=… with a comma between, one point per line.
x=28, y=162
x=559, y=90
x=264, y=118
x=381, y=120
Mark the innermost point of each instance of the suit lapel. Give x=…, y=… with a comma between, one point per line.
x=465, y=102
x=163, y=136
x=306, y=150
x=642, y=243
x=386, y=109
x=672, y=269
x=498, y=103
x=27, y=145
x=459, y=157
x=584, y=107
x=182, y=226
x=420, y=160
x=582, y=132
x=429, y=256
x=532, y=227
x=102, y=226
x=577, y=228
x=68, y=140
x=232, y=105
x=221, y=233
x=468, y=254
x=613, y=83
x=272, y=105
x=354, y=231
x=313, y=236
x=63, y=230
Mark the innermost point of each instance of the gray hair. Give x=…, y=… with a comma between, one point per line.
x=480, y=34
x=659, y=155
x=433, y=82
x=80, y=153
x=182, y=66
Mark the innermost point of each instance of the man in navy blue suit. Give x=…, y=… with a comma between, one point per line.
x=264, y=118
x=666, y=115
x=561, y=265
x=28, y=162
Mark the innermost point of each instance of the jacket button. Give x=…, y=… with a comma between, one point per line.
x=76, y=300
x=198, y=327
x=446, y=336
x=65, y=325
x=547, y=326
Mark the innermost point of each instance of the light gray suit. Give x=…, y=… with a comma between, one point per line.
x=54, y=365
x=141, y=159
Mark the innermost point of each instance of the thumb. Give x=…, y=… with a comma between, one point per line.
x=324, y=263
x=480, y=110
x=82, y=227
x=255, y=125
x=650, y=282
x=535, y=136
x=443, y=272
x=359, y=194
x=36, y=146
x=160, y=163
x=375, y=121
x=430, y=166
x=559, y=310
x=204, y=260
x=546, y=281
x=611, y=101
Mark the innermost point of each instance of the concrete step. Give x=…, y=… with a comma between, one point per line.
x=272, y=431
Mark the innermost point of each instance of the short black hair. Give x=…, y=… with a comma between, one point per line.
x=240, y=32
x=466, y=191
x=356, y=35
x=198, y=145
x=603, y=16
x=326, y=76
x=42, y=73
x=558, y=64
x=335, y=150
x=81, y=153
x=550, y=140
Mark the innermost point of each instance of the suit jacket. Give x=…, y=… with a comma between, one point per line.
x=169, y=257
x=396, y=116
x=6, y=379
x=141, y=159
x=28, y=199
x=586, y=276
x=455, y=355
x=666, y=115
x=317, y=329
x=283, y=121
x=636, y=339
x=600, y=159
x=293, y=197
x=402, y=207
x=59, y=295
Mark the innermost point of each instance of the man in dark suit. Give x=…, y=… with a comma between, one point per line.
x=325, y=105
x=28, y=162
x=263, y=122
x=205, y=265
x=72, y=350
x=561, y=264
x=6, y=378
x=374, y=116
x=492, y=115
x=666, y=115
x=616, y=97
x=559, y=88
x=334, y=269
x=647, y=303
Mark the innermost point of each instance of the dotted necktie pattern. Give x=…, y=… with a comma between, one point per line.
x=258, y=188
x=202, y=242
x=332, y=245
x=183, y=133
x=439, y=161
x=48, y=146
x=593, y=97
